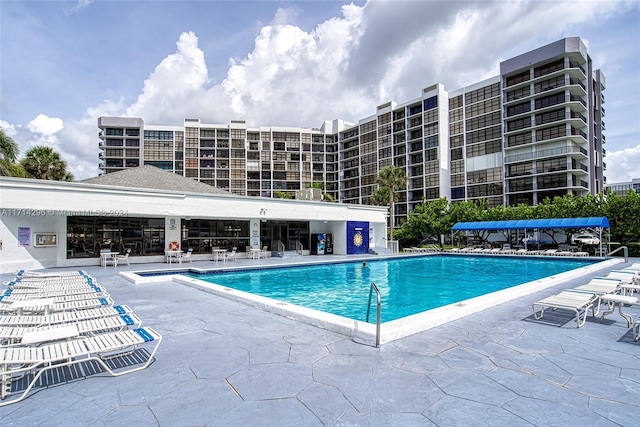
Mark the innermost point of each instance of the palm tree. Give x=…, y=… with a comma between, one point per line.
x=42, y=162
x=393, y=179
x=8, y=148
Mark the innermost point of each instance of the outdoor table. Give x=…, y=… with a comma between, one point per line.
x=104, y=256
x=618, y=301
x=172, y=255
x=217, y=252
x=255, y=253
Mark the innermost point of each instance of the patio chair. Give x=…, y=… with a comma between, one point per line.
x=21, y=360
x=265, y=252
x=577, y=302
x=186, y=256
x=228, y=256
x=125, y=257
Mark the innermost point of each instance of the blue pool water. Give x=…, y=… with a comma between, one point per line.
x=407, y=285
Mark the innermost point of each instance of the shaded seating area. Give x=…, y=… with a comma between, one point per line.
x=599, y=225
x=51, y=323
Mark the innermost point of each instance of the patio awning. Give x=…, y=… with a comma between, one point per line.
x=535, y=224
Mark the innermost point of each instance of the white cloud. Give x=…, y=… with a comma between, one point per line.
x=8, y=128
x=343, y=68
x=622, y=165
x=45, y=125
x=77, y=8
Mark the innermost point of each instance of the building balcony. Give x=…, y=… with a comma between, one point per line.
x=572, y=151
x=579, y=183
x=579, y=169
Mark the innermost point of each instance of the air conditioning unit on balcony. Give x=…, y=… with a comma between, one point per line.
x=309, y=194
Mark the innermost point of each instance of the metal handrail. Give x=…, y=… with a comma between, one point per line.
x=299, y=247
x=280, y=246
x=626, y=253
x=378, y=310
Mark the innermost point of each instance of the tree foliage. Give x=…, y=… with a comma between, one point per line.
x=436, y=217
x=8, y=148
x=282, y=195
x=42, y=162
x=8, y=155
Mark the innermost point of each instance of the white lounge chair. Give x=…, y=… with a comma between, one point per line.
x=578, y=302
x=49, y=305
x=42, y=274
x=17, y=361
x=14, y=334
x=63, y=316
x=624, y=276
x=599, y=287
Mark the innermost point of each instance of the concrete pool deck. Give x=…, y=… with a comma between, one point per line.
x=225, y=363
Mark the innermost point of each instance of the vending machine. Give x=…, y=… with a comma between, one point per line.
x=318, y=242
x=328, y=243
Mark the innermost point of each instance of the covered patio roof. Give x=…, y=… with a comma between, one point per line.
x=549, y=223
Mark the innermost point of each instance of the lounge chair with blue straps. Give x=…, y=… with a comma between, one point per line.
x=88, y=327
x=63, y=316
x=31, y=362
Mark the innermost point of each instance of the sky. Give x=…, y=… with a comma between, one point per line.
x=63, y=64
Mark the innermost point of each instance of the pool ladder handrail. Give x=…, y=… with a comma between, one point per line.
x=624, y=249
x=372, y=288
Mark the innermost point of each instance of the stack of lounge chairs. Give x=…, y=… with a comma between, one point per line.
x=508, y=250
x=52, y=321
x=426, y=249
x=615, y=290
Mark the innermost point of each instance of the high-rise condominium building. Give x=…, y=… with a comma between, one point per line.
x=535, y=131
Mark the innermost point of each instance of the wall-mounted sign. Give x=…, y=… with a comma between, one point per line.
x=45, y=239
x=24, y=236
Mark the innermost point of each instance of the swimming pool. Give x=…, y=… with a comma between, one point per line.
x=359, y=330
x=407, y=285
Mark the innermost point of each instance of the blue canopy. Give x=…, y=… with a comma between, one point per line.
x=536, y=224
